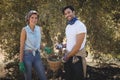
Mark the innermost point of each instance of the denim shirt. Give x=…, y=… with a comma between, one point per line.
x=33, y=38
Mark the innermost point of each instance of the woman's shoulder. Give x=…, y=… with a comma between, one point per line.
x=25, y=27
x=38, y=27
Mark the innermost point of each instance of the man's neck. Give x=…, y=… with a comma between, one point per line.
x=72, y=21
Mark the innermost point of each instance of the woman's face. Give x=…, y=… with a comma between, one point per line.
x=69, y=14
x=33, y=19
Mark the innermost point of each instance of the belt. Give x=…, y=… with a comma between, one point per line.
x=81, y=53
x=33, y=51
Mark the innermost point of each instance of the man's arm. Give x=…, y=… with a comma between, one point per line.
x=79, y=40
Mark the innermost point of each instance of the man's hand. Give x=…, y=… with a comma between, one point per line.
x=65, y=58
x=58, y=46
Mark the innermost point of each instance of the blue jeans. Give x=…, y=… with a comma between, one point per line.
x=35, y=62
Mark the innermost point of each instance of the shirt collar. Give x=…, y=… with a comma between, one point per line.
x=72, y=21
x=30, y=29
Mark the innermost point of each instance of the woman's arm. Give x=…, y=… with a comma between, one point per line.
x=22, y=42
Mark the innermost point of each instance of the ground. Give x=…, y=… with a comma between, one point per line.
x=95, y=71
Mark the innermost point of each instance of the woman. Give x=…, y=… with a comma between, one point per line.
x=30, y=40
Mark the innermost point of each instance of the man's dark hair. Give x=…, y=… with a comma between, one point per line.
x=70, y=7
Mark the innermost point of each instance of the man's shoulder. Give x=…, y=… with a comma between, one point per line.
x=79, y=22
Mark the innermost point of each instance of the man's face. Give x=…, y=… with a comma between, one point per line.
x=69, y=14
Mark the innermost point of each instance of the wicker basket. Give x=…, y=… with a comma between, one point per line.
x=54, y=63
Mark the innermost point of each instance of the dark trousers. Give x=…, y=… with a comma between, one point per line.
x=74, y=71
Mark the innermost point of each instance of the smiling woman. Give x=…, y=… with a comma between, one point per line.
x=30, y=41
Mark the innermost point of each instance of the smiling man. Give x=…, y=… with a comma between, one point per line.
x=75, y=63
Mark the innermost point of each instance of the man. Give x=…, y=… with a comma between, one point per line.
x=75, y=64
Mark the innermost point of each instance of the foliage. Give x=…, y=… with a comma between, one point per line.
x=101, y=24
